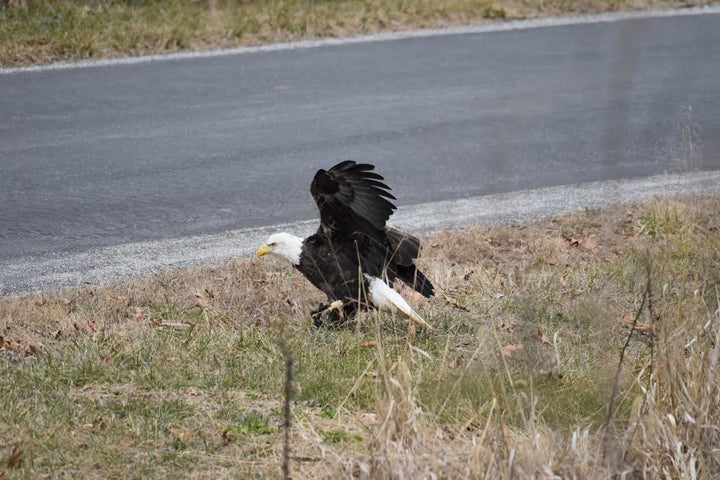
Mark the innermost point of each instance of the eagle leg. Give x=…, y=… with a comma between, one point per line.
x=335, y=313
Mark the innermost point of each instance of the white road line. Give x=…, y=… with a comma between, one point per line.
x=34, y=274
x=380, y=37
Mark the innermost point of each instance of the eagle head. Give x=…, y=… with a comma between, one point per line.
x=283, y=244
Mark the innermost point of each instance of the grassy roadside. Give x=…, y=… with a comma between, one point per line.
x=181, y=374
x=39, y=31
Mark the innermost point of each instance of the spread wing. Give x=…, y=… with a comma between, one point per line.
x=351, y=198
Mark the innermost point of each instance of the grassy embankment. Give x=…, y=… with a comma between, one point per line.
x=181, y=374
x=37, y=31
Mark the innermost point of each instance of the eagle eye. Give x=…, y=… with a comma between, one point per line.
x=273, y=244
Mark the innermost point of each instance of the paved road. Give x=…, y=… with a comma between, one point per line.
x=93, y=157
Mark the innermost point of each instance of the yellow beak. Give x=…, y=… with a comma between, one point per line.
x=263, y=250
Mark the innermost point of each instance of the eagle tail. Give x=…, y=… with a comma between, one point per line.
x=414, y=278
x=405, y=249
x=386, y=298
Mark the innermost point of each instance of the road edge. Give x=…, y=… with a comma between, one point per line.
x=33, y=274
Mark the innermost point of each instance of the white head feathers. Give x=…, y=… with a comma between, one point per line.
x=283, y=244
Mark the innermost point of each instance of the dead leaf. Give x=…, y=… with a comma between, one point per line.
x=627, y=318
x=15, y=458
x=411, y=332
x=91, y=325
x=452, y=302
x=455, y=362
x=126, y=441
x=508, y=326
x=591, y=242
x=572, y=241
x=292, y=304
x=644, y=328
x=186, y=435
x=412, y=295
x=19, y=348
x=368, y=344
x=138, y=313
x=227, y=436
x=217, y=440
x=543, y=339
x=447, y=432
x=200, y=300
x=183, y=435
x=509, y=350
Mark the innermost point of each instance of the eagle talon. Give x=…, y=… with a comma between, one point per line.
x=319, y=310
x=332, y=314
x=337, y=306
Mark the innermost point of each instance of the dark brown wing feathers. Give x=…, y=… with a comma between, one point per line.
x=350, y=196
x=355, y=204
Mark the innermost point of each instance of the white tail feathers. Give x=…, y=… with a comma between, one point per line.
x=386, y=298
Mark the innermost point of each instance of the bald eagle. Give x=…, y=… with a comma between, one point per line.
x=354, y=256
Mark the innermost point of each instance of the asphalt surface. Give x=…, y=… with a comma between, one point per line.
x=101, y=157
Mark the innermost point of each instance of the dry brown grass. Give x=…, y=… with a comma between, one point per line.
x=181, y=374
x=39, y=31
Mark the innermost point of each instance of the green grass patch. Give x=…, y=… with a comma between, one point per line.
x=38, y=31
x=339, y=436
